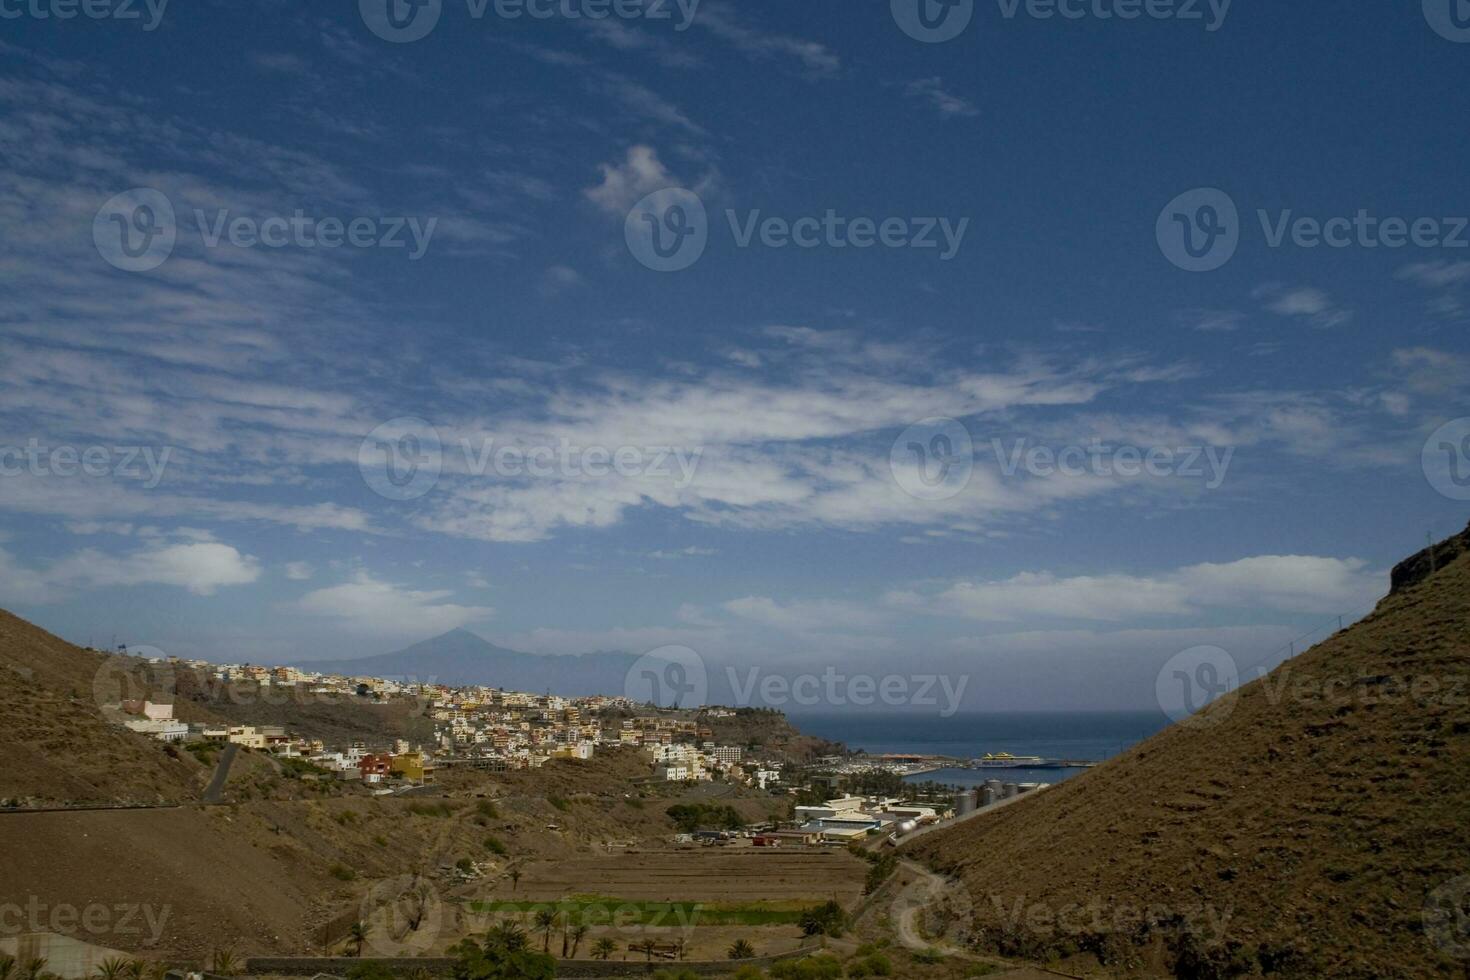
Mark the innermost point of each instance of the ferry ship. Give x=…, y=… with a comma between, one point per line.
x=1004, y=760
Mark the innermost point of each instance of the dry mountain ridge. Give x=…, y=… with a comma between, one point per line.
x=56, y=744
x=1293, y=829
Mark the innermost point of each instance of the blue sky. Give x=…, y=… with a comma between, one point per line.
x=499, y=170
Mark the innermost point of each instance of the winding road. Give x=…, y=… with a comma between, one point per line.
x=215, y=791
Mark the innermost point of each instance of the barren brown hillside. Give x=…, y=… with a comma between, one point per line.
x=1297, y=832
x=55, y=744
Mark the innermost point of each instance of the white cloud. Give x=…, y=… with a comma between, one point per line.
x=1302, y=302
x=1436, y=275
x=298, y=571
x=201, y=567
x=1431, y=372
x=1211, y=320
x=640, y=100
x=946, y=103
x=560, y=279
x=368, y=605
x=804, y=615
x=720, y=20
x=623, y=185
x=1289, y=583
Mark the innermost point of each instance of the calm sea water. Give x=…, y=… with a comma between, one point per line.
x=1092, y=736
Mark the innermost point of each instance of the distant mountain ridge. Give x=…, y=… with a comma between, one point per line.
x=460, y=657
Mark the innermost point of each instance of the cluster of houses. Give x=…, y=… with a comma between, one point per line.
x=474, y=726
x=505, y=729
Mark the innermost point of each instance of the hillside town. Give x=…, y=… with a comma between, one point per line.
x=474, y=726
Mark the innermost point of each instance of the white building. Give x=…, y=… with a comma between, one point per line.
x=165, y=729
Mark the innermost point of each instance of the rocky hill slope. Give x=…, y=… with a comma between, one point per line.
x=56, y=744
x=1297, y=828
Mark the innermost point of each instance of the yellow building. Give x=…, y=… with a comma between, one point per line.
x=413, y=766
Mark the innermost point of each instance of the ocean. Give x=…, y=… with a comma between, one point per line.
x=1079, y=735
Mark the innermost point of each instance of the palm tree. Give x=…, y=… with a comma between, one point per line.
x=603, y=949
x=33, y=968
x=113, y=968
x=515, y=878
x=578, y=934
x=545, y=922
x=7, y=968
x=740, y=950
x=225, y=962
x=358, y=934
x=507, y=936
